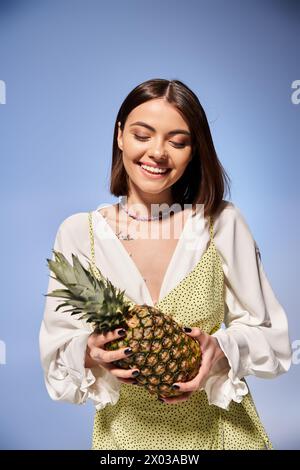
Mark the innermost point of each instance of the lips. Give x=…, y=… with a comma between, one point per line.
x=153, y=166
x=153, y=174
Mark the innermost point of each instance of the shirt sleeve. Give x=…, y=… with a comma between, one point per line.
x=63, y=340
x=256, y=338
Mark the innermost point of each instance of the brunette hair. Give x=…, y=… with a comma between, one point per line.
x=204, y=180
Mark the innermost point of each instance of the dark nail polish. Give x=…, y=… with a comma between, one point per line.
x=187, y=329
x=135, y=373
x=128, y=351
x=175, y=387
x=160, y=399
x=122, y=333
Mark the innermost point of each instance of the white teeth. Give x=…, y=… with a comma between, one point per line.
x=154, y=170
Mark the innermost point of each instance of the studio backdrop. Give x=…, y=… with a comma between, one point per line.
x=65, y=67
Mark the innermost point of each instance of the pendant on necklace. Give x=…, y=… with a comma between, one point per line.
x=126, y=236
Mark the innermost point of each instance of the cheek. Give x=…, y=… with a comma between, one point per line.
x=131, y=154
x=132, y=146
x=130, y=166
x=182, y=162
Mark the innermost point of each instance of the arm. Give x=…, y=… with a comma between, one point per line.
x=256, y=340
x=63, y=338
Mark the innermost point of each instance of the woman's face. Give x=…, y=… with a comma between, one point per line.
x=155, y=134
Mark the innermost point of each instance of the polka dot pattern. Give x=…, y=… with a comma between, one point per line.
x=139, y=421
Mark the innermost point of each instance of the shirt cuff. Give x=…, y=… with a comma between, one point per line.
x=96, y=384
x=224, y=383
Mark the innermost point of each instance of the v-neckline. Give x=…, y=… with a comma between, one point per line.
x=133, y=264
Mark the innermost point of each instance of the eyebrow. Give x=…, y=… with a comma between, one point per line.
x=175, y=131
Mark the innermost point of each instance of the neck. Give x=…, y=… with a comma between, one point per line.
x=142, y=202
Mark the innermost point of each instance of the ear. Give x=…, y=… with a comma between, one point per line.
x=120, y=137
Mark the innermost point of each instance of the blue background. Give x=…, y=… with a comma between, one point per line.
x=67, y=66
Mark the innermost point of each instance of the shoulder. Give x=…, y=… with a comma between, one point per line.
x=229, y=212
x=227, y=209
x=74, y=222
x=73, y=231
x=73, y=236
x=231, y=221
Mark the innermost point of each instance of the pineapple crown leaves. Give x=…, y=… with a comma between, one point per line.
x=98, y=299
x=76, y=278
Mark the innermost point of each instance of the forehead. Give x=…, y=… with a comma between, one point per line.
x=159, y=114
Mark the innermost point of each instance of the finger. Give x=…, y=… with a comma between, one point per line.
x=194, y=332
x=205, y=367
x=103, y=356
x=128, y=381
x=124, y=373
x=199, y=335
x=179, y=399
x=99, y=340
x=190, y=386
x=195, y=383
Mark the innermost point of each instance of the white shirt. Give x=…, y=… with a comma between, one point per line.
x=255, y=340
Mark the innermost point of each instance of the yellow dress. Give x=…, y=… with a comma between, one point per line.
x=139, y=421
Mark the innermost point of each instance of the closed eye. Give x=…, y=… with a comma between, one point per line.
x=144, y=139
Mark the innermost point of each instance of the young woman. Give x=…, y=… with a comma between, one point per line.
x=206, y=272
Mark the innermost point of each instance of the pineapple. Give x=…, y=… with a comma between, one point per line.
x=162, y=351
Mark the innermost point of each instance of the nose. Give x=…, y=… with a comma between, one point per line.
x=156, y=156
x=158, y=152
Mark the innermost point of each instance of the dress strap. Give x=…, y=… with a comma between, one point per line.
x=211, y=228
x=93, y=268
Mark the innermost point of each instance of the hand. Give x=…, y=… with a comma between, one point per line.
x=211, y=353
x=97, y=356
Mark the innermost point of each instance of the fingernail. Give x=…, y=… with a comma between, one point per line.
x=160, y=399
x=175, y=387
x=187, y=329
x=121, y=332
x=128, y=351
x=135, y=373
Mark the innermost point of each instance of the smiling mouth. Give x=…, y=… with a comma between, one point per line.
x=154, y=170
